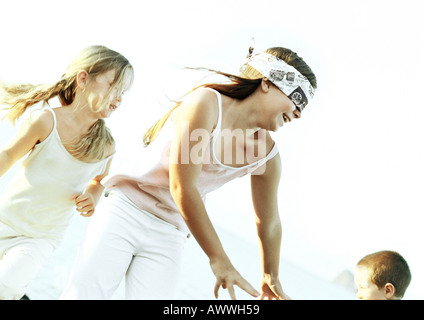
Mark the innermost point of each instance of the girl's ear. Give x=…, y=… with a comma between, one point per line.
x=82, y=77
x=265, y=85
x=389, y=290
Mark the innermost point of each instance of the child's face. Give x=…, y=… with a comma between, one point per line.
x=100, y=87
x=366, y=289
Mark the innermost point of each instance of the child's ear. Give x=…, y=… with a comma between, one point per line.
x=82, y=77
x=389, y=290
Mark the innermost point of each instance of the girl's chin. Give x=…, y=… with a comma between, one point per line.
x=104, y=113
x=277, y=127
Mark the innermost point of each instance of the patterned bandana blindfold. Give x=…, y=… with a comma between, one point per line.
x=294, y=85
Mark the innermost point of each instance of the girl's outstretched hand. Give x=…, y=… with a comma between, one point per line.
x=227, y=276
x=271, y=289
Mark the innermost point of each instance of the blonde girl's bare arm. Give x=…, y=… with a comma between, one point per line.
x=264, y=195
x=87, y=201
x=33, y=131
x=197, y=113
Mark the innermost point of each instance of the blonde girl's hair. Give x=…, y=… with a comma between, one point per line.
x=94, y=60
x=240, y=87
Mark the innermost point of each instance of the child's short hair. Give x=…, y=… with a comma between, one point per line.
x=388, y=267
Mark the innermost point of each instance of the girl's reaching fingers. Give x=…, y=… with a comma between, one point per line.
x=231, y=292
x=246, y=286
x=216, y=289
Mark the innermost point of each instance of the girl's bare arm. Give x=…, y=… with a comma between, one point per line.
x=33, y=131
x=264, y=195
x=198, y=112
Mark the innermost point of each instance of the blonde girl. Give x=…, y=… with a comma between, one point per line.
x=148, y=214
x=70, y=151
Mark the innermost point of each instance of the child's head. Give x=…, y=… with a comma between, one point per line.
x=96, y=61
x=382, y=275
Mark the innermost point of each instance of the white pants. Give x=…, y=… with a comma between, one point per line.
x=122, y=240
x=21, y=258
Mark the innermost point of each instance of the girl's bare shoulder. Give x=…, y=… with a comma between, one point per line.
x=200, y=105
x=41, y=124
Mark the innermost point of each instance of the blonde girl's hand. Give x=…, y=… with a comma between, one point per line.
x=85, y=204
x=227, y=276
x=271, y=289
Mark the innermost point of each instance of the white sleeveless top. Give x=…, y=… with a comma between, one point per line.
x=148, y=188
x=37, y=202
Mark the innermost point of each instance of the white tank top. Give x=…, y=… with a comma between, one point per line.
x=37, y=202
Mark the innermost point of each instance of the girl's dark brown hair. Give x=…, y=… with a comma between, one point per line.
x=240, y=87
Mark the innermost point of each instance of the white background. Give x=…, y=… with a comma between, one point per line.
x=352, y=166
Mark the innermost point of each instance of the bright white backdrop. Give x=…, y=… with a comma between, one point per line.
x=352, y=179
